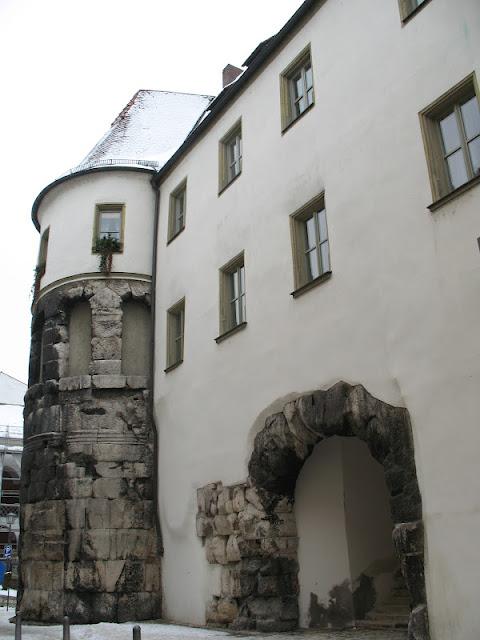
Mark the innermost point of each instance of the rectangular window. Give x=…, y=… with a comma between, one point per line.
x=175, y=334
x=178, y=204
x=109, y=224
x=42, y=254
x=451, y=131
x=311, y=252
x=232, y=295
x=230, y=161
x=296, y=87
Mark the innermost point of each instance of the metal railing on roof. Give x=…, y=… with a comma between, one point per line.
x=114, y=162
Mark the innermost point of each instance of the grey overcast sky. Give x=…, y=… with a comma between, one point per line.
x=68, y=68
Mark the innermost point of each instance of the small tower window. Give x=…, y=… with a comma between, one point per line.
x=109, y=223
x=80, y=338
x=136, y=335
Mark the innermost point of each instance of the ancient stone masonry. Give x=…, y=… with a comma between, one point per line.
x=250, y=529
x=90, y=547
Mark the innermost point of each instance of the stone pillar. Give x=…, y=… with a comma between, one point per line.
x=89, y=543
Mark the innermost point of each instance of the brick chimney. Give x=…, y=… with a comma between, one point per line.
x=229, y=74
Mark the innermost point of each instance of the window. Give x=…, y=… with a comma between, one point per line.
x=176, y=216
x=42, y=254
x=409, y=7
x=136, y=339
x=109, y=223
x=175, y=334
x=232, y=296
x=311, y=252
x=451, y=131
x=230, y=156
x=296, y=85
x=41, y=262
x=80, y=339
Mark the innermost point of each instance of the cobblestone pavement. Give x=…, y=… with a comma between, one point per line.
x=159, y=631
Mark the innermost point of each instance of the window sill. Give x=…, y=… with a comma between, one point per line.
x=173, y=366
x=94, y=251
x=175, y=235
x=453, y=194
x=230, y=332
x=292, y=122
x=413, y=13
x=225, y=186
x=310, y=285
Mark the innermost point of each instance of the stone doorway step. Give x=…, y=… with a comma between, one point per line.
x=392, y=613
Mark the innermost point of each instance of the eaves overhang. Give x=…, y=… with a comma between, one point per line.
x=77, y=174
x=258, y=59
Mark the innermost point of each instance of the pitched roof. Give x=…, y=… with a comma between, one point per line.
x=148, y=130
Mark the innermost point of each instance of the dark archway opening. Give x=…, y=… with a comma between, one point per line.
x=289, y=438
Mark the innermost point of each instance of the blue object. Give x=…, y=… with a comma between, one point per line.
x=3, y=566
x=7, y=552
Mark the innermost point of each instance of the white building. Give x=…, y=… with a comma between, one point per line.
x=315, y=273
x=12, y=392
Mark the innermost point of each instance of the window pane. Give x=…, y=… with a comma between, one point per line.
x=450, y=134
x=308, y=77
x=297, y=86
x=310, y=97
x=300, y=106
x=474, y=148
x=311, y=240
x=233, y=285
x=471, y=117
x=109, y=223
x=244, y=312
x=235, y=313
x=312, y=264
x=242, y=279
x=322, y=225
x=325, y=257
x=457, y=169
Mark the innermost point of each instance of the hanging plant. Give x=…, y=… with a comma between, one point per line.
x=38, y=272
x=106, y=246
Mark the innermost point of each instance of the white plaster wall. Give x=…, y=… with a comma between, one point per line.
x=319, y=508
x=69, y=210
x=367, y=518
x=399, y=315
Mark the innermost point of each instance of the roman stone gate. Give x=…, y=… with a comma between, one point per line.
x=250, y=529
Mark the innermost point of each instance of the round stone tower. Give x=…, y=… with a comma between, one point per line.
x=90, y=545
x=89, y=542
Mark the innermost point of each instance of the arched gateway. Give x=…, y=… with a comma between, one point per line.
x=250, y=528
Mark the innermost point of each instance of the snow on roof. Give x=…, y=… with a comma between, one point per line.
x=11, y=390
x=149, y=130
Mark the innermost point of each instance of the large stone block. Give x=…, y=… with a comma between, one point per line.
x=109, y=381
x=106, y=367
x=111, y=488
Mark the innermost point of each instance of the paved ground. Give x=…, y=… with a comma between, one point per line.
x=158, y=631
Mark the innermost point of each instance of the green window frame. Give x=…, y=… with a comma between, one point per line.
x=109, y=222
x=175, y=334
x=233, y=313
x=177, y=211
x=230, y=156
x=310, y=244
x=297, y=94
x=451, y=135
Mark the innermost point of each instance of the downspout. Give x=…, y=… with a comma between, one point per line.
x=156, y=213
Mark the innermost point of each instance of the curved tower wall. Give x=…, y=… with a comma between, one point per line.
x=68, y=211
x=89, y=547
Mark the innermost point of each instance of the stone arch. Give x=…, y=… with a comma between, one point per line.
x=282, y=446
x=250, y=528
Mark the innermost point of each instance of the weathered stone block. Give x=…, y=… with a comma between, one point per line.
x=96, y=544
x=286, y=525
x=74, y=383
x=106, y=367
x=222, y=525
x=227, y=610
x=233, y=549
x=137, y=382
x=109, y=382
x=217, y=550
x=153, y=577
x=204, y=526
x=111, y=488
x=251, y=495
x=78, y=488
